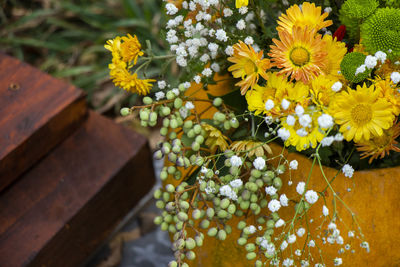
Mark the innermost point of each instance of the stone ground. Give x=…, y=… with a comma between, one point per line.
x=137, y=242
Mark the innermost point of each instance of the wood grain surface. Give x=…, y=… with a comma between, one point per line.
x=37, y=112
x=64, y=207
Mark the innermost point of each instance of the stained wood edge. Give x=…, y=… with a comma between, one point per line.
x=75, y=243
x=59, y=127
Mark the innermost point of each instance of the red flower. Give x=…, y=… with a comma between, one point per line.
x=340, y=32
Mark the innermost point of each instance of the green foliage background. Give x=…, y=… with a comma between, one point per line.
x=66, y=39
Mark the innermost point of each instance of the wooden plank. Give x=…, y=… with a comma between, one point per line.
x=64, y=207
x=37, y=112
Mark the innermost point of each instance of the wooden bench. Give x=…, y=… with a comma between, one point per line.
x=68, y=176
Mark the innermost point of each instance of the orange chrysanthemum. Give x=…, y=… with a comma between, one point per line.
x=249, y=65
x=300, y=55
x=307, y=16
x=380, y=146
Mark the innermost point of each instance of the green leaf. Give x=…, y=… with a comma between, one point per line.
x=192, y=178
x=132, y=9
x=236, y=101
x=74, y=71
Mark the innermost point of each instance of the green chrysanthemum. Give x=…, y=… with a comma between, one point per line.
x=349, y=66
x=352, y=25
x=381, y=32
x=392, y=3
x=359, y=9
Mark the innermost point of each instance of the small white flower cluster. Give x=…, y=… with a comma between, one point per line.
x=236, y=161
x=227, y=191
x=311, y=196
x=268, y=246
x=274, y=205
x=328, y=140
x=293, y=165
x=334, y=236
x=259, y=163
x=348, y=171
x=370, y=62
x=395, y=77
x=201, y=39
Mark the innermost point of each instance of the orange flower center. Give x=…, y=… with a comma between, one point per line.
x=299, y=56
x=361, y=114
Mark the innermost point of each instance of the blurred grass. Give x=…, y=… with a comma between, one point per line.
x=66, y=39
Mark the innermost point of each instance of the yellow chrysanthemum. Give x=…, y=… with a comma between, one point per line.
x=248, y=66
x=277, y=89
x=307, y=16
x=215, y=139
x=388, y=91
x=362, y=113
x=126, y=48
x=130, y=82
x=301, y=55
x=380, y=146
x=130, y=49
x=336, y=51
x=321, y=91
x=241, y=3
x=304, y=137
x=114, y=46
x=252, y=148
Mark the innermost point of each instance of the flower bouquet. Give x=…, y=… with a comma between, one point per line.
x=261, y=82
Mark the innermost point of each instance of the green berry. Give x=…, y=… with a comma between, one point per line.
x=241, y=241
x=188, y=124
x=181, y=87
x=277, y=183
x=158, y=220
x=170, y=95
x=170, y=188
x=125, y=111
x=196, y=214
x=195, y=146
x=197, y=129
x=190, y=255
x=222, y=214
x=221, y=235
x=147, y=100
x=234, y=123
x=232, y=209
x=178, y=103
x=205, y=224
x=190, y=243
x=251, y=256
x=217, y=101
x=165, y=111
x=164, y=131
x=224, y=203
x=144, y=114
x=275, y=216
x=250, y=247
x=212, y=231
